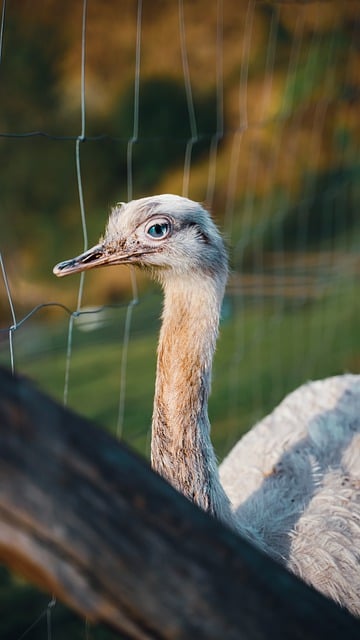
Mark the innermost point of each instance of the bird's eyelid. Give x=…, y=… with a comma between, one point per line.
x=162, y=217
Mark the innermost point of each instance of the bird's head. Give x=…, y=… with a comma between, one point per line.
x=167, y=234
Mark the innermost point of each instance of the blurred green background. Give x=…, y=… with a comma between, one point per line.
x=273, y=120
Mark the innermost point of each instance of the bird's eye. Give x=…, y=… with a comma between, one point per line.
x=159, y=230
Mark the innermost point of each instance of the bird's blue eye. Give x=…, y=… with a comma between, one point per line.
x=159, y=230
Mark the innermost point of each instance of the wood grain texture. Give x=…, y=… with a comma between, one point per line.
x=86, y=519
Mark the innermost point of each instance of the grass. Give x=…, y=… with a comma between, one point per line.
x=264, y=352
x=274, y=353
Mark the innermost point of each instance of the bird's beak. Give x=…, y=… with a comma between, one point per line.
x=97, y=256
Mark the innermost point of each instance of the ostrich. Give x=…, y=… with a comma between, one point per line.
x=292, y=484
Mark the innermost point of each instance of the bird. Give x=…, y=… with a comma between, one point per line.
x=291, y=485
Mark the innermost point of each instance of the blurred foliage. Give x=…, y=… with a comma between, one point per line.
x=298, y=113
x=327, y=211
x=164, y=129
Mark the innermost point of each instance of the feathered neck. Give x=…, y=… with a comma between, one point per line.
x=181, y=448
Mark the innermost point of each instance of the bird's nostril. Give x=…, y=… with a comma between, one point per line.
x=66, y=264
x=91, y=257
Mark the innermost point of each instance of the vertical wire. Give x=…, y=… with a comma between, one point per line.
x=13, y=327
x=8, y=292
x=2, y=27
x=6, y=281
x=265, y=209
x=83, y=63
x=351, y=244
x=215, y=140
x=49, y=609
x=318, y=124
x=292, y=66
x=300, y=333
x=190, y=102
x=239, y=336
x=244, y=124
x=130, y=190
x=277, y=306
x=258, y=262
x=243, y=118
x=68, y=359
x=87, y=630
x=286, y=112
x=83, y=217
x=79, y=139
x=135, y=134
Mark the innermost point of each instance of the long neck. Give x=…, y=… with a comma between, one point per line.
x=181, y=448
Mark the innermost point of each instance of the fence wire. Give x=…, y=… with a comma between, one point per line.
x=290, y=309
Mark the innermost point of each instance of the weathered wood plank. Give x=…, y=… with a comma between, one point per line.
x=88, y=520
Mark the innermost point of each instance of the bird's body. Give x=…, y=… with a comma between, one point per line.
x=292, y=484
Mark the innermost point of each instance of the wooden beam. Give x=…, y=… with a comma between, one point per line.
x=87, y=519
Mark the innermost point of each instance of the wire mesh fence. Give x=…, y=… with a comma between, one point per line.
x=251, y=108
